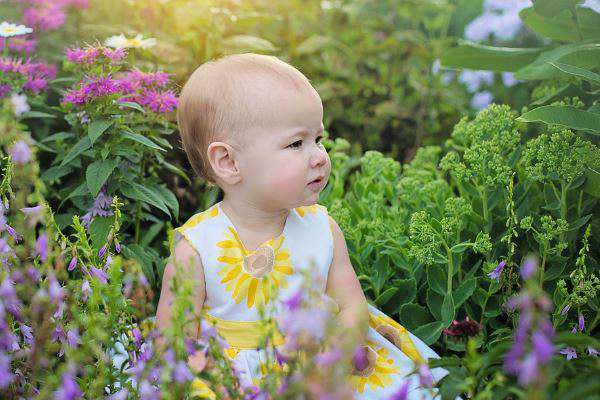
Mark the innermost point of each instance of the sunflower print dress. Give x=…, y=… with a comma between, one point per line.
x=237, y=283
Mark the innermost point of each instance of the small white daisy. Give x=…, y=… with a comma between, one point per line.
x=120, y=41
x=8, y=29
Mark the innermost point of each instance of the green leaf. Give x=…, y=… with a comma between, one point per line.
x=57, y=136
x=437, y=278
x=583, y=73
x=97, y=173
x=407, y=290
x=592, y=183
x=168, y=198
x=583, y=55
x=81, y=190
x=578, y=223
x=549, y=8
x=414, y=315
x=36, y=114
x=81, y=146
x=429, y=333
x=151, y=233
x=56, y=172
x=567, y=116
x=477, y=56
x=139, y=253
x=384, y=297
x=315, y=43
x=142, y=139
x=247, y=43
x=464, y=291
x=448, y=310
x=177, y=171
x=461, y=247
x=99, y=229
x=131, y=104
x=97, y=128
x=434, y=303
x=139, y=192
x=561, y=27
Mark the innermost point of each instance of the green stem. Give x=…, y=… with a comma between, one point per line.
x=450, y=268
x=542, y=268
x=486, y=212
x=575, y=19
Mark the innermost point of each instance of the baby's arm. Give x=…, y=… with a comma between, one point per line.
x=188, y=259
x=343, y=286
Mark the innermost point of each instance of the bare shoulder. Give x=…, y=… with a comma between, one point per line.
x=338, y=234
x=184, y=256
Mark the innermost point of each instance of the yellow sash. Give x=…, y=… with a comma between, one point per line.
x=244, y=334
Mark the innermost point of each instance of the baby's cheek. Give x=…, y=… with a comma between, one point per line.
x=287, y=179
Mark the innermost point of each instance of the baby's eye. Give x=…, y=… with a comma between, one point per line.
x=296, y=144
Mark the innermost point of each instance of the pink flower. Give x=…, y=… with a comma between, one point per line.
x=159, y=102
x=45, y=17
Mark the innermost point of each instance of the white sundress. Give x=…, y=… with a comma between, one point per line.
x=233, y=296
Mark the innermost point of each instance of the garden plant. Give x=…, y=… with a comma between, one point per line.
x=463, y=137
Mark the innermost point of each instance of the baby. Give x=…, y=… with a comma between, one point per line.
x=252, y=124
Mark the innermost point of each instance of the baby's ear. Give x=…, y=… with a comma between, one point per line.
x=222, y=160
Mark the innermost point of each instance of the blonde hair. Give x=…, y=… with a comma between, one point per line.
x=213, y=104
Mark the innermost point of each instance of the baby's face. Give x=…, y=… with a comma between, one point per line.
x=283, y=156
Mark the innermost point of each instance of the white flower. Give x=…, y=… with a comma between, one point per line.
x=120, y=41
x=7, y=29
x=19, y=102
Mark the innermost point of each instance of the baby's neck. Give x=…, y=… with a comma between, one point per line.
x=253, y=223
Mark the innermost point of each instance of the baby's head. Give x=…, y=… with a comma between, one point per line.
x=252, y=124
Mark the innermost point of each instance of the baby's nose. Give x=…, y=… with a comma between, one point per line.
x=319, y=158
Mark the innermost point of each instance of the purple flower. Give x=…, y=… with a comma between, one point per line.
x=565, y=309
x=569, y=352
x=528, y=268
x=6, y=376
x=72, y=264
x=148, y=392
x=475, y=79
x=27, y=333
x=45, y=16
x=581, y=323
x=20, y=152
x=495, y=274
x=69, y=390
x=159, y=102
x=34, y=214
x=55, y=291
x=425, y=377
x=10, y=299
x=181, y=372
x=98, y=273
x=118, y=247
x=542, y=347
x=481, y=100
x=120, y=395
x=592, y=351
x=508, y=79
x=294, y=301
x=73, y=337
x=41, y=247
x=86, y=290
x=329, y=357
x=401, y=393
x=529, y=370
x=102, y=251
